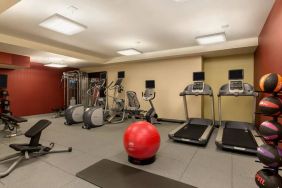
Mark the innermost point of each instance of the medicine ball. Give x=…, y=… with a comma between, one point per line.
x=271, y=83
x=270, y=155
x=270, y=105
x=267, y=178
x=271, y=130
x=141, y=141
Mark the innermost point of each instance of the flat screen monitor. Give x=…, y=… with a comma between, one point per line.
x=150, y=84
x=3, y=80
x=198, y=76
x=236, y=74
x=121, y=74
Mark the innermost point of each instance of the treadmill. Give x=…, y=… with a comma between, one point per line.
x=195, y=130
x=235, y=135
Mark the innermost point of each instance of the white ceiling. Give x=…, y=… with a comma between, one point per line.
x=147, y=25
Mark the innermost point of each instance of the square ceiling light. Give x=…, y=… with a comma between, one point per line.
x=62, y=24
x=129, y=52
x=55, y=65
x=211, y=39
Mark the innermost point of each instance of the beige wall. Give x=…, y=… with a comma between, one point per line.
x=171, y=77
x=216, y=70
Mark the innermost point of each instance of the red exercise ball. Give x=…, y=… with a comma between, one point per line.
x=141, y=141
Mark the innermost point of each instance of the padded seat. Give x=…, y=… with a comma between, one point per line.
x=13, y=118
x=25, y=147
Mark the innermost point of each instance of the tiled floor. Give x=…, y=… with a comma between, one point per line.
x=204, y=167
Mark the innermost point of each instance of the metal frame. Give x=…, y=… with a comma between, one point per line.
x=249, y=92
x=207, y=133
x=20, y=156
x=81, y=87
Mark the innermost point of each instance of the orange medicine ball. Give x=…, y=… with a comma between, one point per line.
x=271, y=82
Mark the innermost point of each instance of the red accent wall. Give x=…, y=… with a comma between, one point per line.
x=268, y=56
x=35, y=90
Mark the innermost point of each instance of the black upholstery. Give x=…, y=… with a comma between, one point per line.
x=12, y=118
x=25, y=147
x=37, y=128
x=34, y=134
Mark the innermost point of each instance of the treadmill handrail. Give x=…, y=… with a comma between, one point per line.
x=189, y=91
x=207, y=92
x=248, y=92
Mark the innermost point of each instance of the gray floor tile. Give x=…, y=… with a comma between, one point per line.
x=207, y=169
x=79, y=183
x=244, y=165
x=243, y=182
x=71, y=162
x=36, y=174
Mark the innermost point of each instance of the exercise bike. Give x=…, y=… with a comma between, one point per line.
x=149, y=95
x=116, y=113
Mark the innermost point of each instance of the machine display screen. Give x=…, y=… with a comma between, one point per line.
x=3, y=80
x=103, y=75
x=121, y=74
x=198, y=76
x=236, y=74
x=150, y=83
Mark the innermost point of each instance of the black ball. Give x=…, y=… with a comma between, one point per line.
x=271, y=106
x=271, y=130
x=271, y=83
x=270, y=155
x=267, y=178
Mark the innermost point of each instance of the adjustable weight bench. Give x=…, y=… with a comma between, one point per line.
x=11, y=123
x=31, y=150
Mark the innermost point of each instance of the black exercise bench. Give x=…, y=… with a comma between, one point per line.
x=31, y=150
x=11, y=123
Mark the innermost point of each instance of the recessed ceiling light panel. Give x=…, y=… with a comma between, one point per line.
x=63, y=25
x=129, y=52
x=211, y=39
x=55, y=65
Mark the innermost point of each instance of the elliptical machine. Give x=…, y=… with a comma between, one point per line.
x=149, y=95
x=94, y=116
x=116, y=113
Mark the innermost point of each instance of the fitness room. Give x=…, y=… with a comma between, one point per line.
x=140, y=94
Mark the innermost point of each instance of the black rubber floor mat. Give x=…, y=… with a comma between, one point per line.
x=109, y=174
x=193, y=132
x=238, y=138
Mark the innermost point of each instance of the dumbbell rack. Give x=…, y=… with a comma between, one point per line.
x=5, y=103
x=274, y=118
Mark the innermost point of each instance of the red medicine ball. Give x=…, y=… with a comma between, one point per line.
x=271, y=106
x=271, y=130
x=141, y=140
x=271, y=83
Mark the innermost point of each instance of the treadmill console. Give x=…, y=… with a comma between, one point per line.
x=198, y=85
x=236, y=81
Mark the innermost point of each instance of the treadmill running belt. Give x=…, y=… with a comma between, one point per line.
x=238, y=138
x=191, y=131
